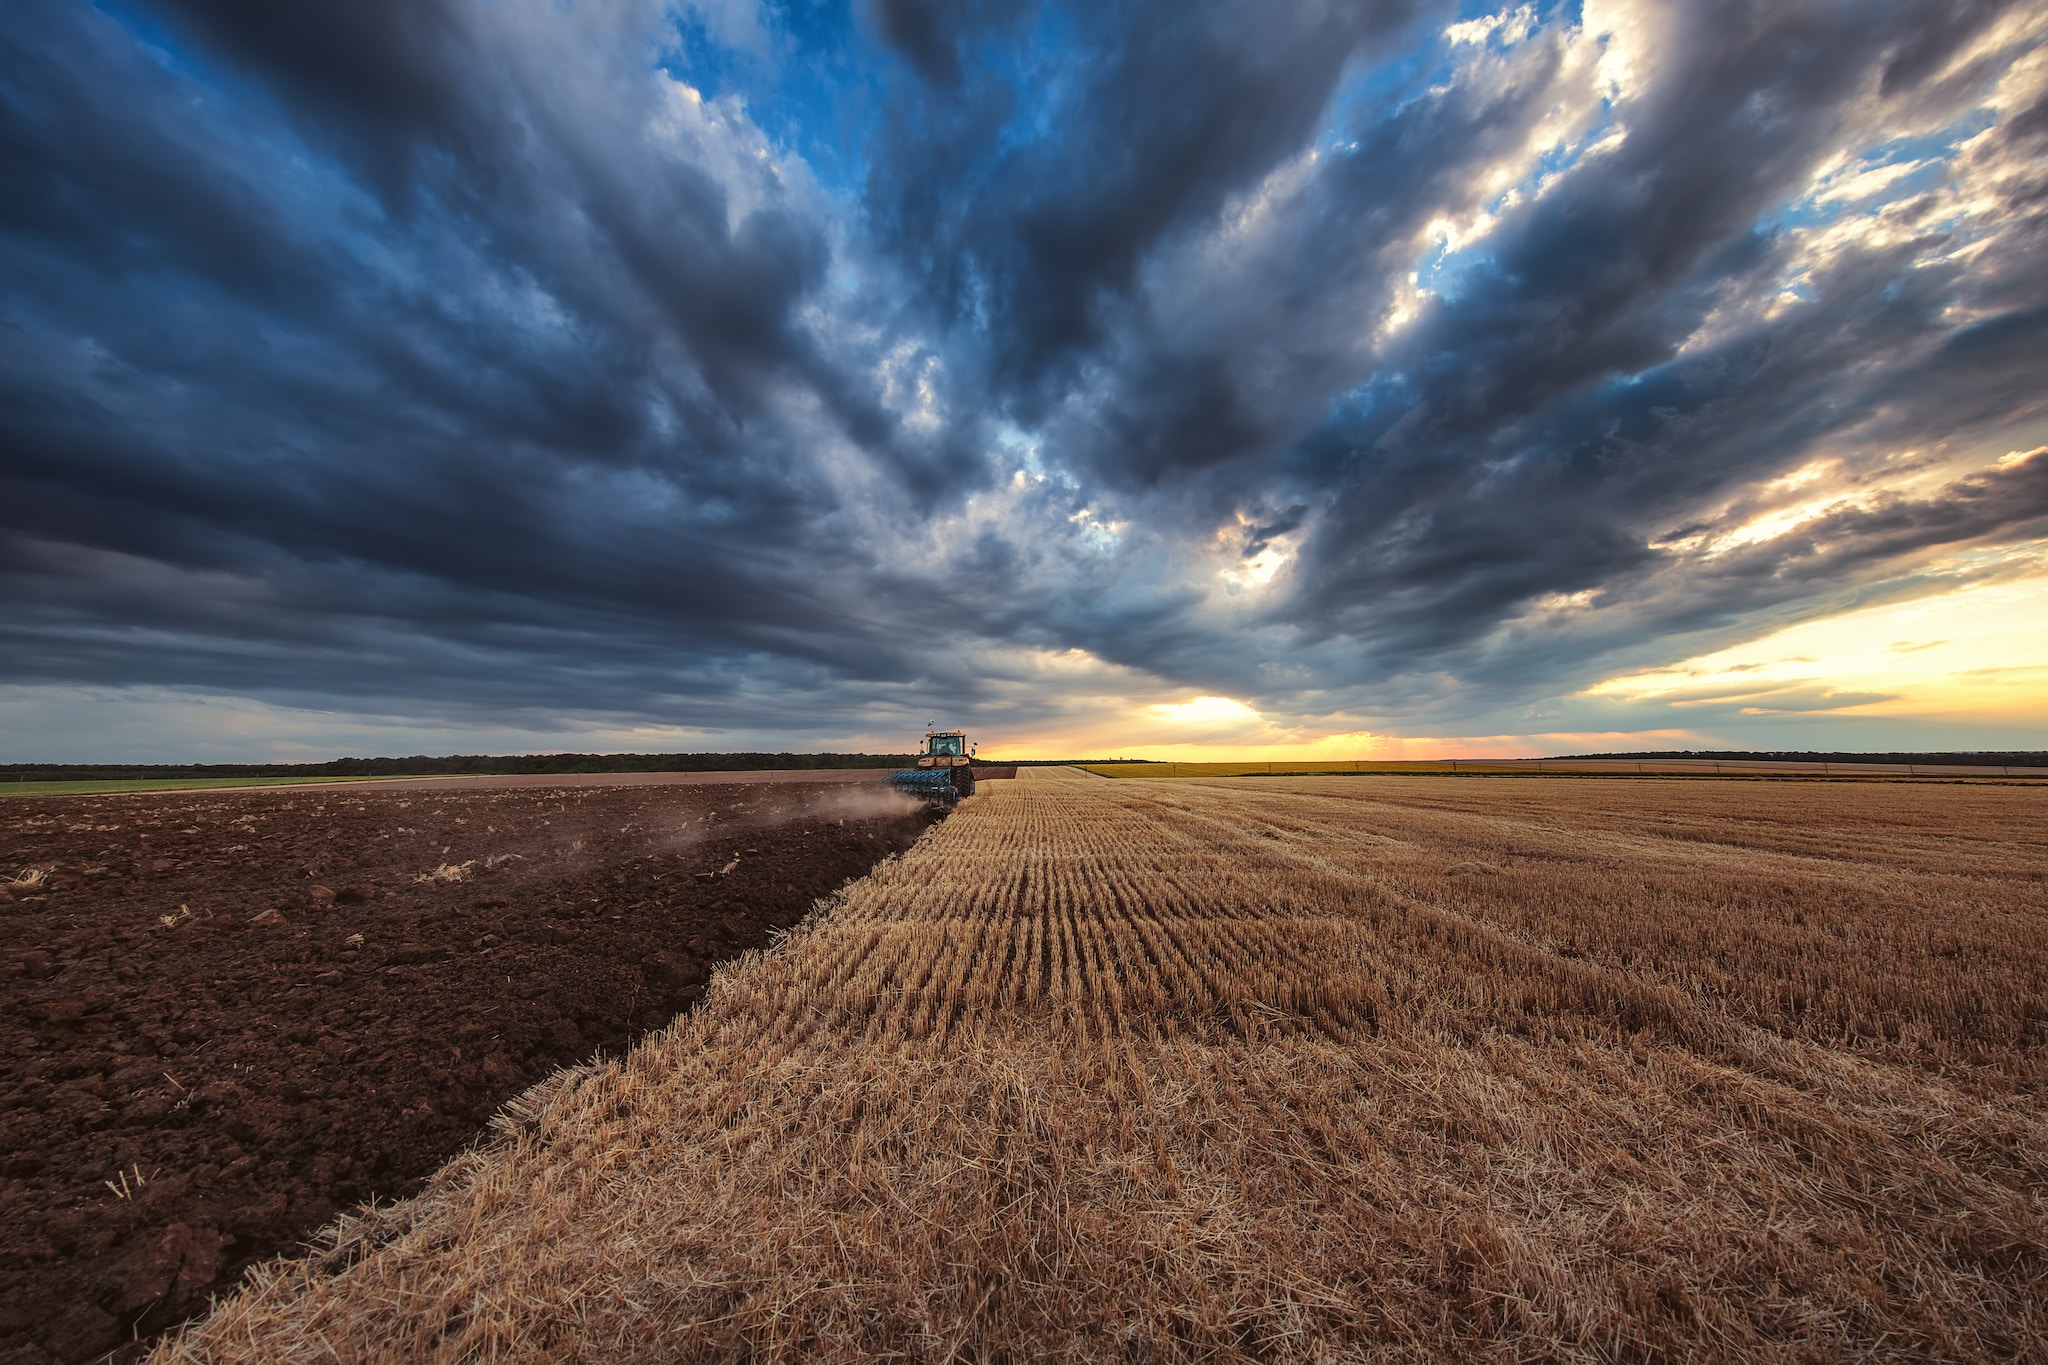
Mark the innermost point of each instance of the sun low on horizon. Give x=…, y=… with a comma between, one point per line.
x=1180, y=381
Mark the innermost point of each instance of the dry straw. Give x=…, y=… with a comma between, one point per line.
x=1222, y=1070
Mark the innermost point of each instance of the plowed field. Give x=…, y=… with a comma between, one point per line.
x=249, y=1010
x=1293, y=1069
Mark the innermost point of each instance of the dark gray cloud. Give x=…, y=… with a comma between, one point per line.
x=927, y=34
x=1028, y=190
x=528, y=407
x=491, y=359
x=378, y=73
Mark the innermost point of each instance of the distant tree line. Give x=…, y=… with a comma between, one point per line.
x=420, y=765
x=1976, y=757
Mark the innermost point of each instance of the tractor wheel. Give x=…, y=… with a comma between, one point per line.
x=963, y=781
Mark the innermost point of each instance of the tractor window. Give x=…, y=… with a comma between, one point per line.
x=945, y=744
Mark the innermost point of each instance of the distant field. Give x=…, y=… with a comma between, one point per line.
x=1309, y=1069
x=161, y=784
x=1696, y=767
x=1119, y=770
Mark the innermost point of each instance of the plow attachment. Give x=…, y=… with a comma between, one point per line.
x=927, y=784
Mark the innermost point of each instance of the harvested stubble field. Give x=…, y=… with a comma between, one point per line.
x=1293, y=1069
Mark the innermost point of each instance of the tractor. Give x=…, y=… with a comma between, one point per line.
x=944, y=771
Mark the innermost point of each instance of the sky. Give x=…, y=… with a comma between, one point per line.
x=1176, y=379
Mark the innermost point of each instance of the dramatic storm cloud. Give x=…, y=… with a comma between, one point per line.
x=516, y=373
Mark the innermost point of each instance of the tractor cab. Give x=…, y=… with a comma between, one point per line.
x=945, y=749
x=944, y=771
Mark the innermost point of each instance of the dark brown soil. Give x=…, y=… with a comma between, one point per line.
x=227, y=1016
